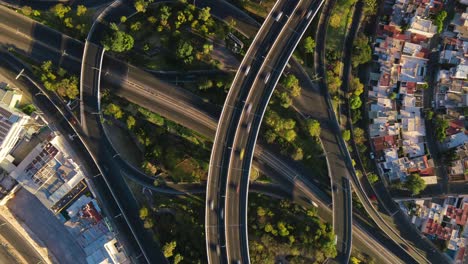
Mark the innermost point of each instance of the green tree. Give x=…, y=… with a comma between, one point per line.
x=335, y=21
x=131, y=121
x=135, y=26
x=429, y=115
x=372, y=177
x=370, y=7
x=261, y=212
x=184, y=52
x=292, y=83
x=81, y=10
x=152, y=20
x=205, y=84
x=298, y=154
x=270, y=136
x=441, y=128
x=439, y=20
x=118, y=41
x=392, y=96
x=28, y=109
x=68, y=21
x=144, y=213
x=333, y=83
x=346, y=135
x=356, y=87
x=359, y=136
x=123, y=19
x=354, y=260
x=313, y=126
x=362, y=52
x=142, y=5
x=60, y=10
x=309, y=44
x=285, y=99
x=168, y=249
x=355, y=102
x=289, y=135
x=164, y=14
x=204, y=14
x=148, y=223
x=207, y=48
x=415, y=183
x=178, y=258
x=68, y=87
x=113, y=110
x=282, y=229
x=26, y=10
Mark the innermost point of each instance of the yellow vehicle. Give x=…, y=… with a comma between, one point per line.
x=241, y=155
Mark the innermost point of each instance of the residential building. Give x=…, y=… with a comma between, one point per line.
x=12, y=123
x=421, y=26
x=50, y=174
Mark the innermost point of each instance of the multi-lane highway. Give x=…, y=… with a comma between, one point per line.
x=216, y=210
x=244, y=109
x=365, y=237
x=25, y=39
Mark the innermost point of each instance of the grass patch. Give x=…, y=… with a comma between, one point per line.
x=337, y=30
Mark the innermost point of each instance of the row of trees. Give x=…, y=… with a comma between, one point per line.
x=58, y=80
x=183, y=29
x=280, y=228
x=61, y=16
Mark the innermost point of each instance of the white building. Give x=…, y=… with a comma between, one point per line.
x=422, y=26
x=11, y=124
x=50, y=174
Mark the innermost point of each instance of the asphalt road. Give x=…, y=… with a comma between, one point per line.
x=14, y=239
x=45, y=52
x=218, y=213
x=101, y=190
x=296, y=18
x=95, y=138
x=404, y=234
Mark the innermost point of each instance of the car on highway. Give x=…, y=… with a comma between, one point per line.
x=267, y=77
x=211, y=205
x=278, y=16
x=248, y=108
x=249, y=125
x=247, y=70
x=308, y=14
x=372, y=155
x=241, y=154
x=222, y=213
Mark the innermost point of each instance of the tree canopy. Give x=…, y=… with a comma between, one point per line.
x=313, y=127
x=415, y=183
x=362, y=52
x=309, y=44
x=355, y=102
x=118, y=41
x=184, y=52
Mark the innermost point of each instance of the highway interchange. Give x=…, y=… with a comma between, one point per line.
x=240, y=122
x=71, y=56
